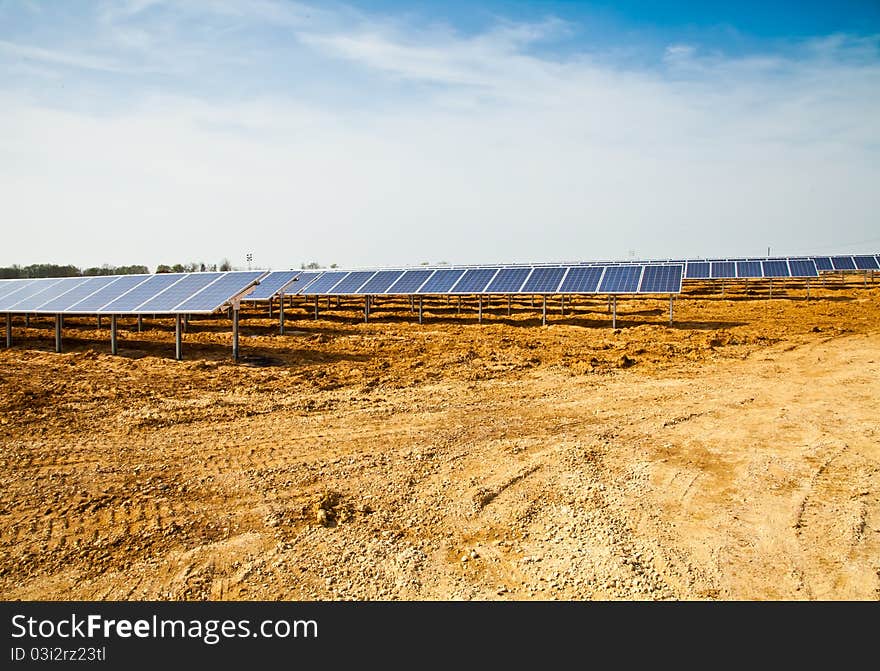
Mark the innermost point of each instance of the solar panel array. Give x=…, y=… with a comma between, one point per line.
x=716, y=269
x=574, y=279
x=165, y=293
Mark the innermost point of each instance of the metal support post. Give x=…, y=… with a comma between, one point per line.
x=544, y=312
x=412, y=304
x=609, y=304
x=270, y=307
x=186, y=323
x=316, y=307
x=771, y=287
x=420, y=309
x=140, y=323
x=808, y=288
x=99, y=322
x=670, y=309
x=562, y=304
x=281, y=314
x=480, y=309
x=178, y=338
x=459, y=305
x=9, y=330
x=58, y=333
x=614, y=312
x=509, y=300
x=114, y=349
x=366, y=309
x=235, y=334
x=27, y=321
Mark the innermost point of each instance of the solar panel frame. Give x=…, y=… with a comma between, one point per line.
x=61, y=303
x=803, y=268
x=221, y=292
x=776, y=268
x=749, y=269
x=474, y=281
x=168, y=299
x=93, y=303
x=623, y=279
x=723, y=270
x=823, y=263
x=380, y=282
x=865, y=262
x=544, y=280
x=321, y=285
x=581, y=280
x=697, y=270
x=508, y=280
x=131, y=299
x=410, y=281
x=843, y=263
x=441, y=281
x=273, y=284
x=661, y=279
x=34, y=289
x=349, y=285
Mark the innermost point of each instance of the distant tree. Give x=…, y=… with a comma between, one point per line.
x=314, y=265
x=162, y=268
x=423, y=263
x=333, y=265
x=225, y=265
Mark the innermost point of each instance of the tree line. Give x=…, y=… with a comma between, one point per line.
x=16, y=271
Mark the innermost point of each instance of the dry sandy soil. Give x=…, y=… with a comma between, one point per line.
x=734, y=455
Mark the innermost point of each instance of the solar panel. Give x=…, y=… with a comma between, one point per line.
x=32, y=289
x=776, y=268
x=60, y=287
x=802, y=268
x=130, y=301
x=544, y=280
x=352, y=282
x=90, y=286
x=697, y=270
x=220, y=292
x=9, y=286
x=324, y=283
x=582, y=280
x=723, y=269
x=866, y=262
x=271, y=285
x=749, y=269
x=843, y=263
x=410, y=281
x=474, y=281
x=302, y=281
x=441, y=281
x=823, y=262
x=171, y=297
x=379, y=283
x=95, y=301
x=665, y=279
x=620, y=280
x=508, y=280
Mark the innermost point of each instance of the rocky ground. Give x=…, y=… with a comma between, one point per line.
x=732, y=455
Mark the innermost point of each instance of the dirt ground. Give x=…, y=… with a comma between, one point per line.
x=734, y=455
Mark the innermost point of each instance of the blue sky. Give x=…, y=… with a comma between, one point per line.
x=392, y=133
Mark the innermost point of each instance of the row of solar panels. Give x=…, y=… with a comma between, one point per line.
x=751, y=268
x=165, y=293
x=621, y=279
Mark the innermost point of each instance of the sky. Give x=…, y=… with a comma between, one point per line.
x=382, y=133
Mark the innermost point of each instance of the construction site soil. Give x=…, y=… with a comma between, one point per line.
x=731, y=455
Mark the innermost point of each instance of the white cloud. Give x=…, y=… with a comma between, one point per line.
x=445, y=147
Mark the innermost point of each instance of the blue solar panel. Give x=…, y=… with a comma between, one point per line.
x=508, y=280
x=90, y=286
x=34, y=301
x=620, y=280
x=409, y=282
x=302, y=281
x=352, y=282
x=7, y=287
x=544, y=280
x=33, y=289
x=171, y=297
x=271, y=285
x=94, y=302
x=661, y=280
x=843, y=263
x=130, y=301
x=698, y=270
x=749, y=269
x=380, y=282
x=220, y=292
x=823, y=262
x=323, y=284
x=474, y=281
x=802, y=268
x=441, y=281
x=582, y=280
x=776, y=268
x=866, y=262
x=723, y=269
